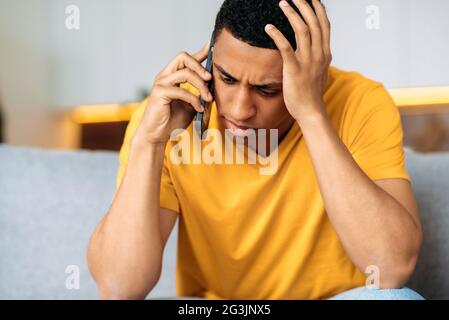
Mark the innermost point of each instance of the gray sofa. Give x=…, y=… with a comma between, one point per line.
x=50, y=202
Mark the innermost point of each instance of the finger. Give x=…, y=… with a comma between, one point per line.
x=170, y=94
x=185, y=60
x=325, y=26
x=286, y=50
x=187, y=75
x=202, y=54
x=314, y=26
x=300, y=28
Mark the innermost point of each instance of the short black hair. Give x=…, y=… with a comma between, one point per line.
x=246, y=21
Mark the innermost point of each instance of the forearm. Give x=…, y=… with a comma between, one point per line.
x=373, y=227
x=125, y=252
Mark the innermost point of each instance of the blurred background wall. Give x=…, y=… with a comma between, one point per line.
x=46, y=69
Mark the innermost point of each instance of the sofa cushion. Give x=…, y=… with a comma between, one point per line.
x=50, y=203
x=430, y=175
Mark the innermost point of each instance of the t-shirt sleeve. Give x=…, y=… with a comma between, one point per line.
x=168, y=197
x=376, y=139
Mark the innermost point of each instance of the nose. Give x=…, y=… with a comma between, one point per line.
x=242, y=107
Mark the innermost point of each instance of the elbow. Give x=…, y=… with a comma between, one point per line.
x=111, y=290
x=130, y=284
x=118, y=278
x=119, y=295
x=106, y=294
x=397, y=278
x=121, y=283
x=401, y=270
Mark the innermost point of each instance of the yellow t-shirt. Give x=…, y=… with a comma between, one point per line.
x=243, y=235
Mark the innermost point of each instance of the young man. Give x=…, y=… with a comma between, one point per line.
x=339, y=204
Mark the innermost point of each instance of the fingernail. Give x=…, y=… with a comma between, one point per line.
x=284, y=3
x=269, y=27
x=207, y=74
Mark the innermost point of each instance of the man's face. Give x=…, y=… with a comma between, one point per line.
x=248, y=86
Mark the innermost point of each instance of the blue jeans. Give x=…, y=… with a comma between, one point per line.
x=361, y=293
x=364, y=293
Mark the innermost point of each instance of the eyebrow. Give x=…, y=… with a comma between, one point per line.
x=273, y=85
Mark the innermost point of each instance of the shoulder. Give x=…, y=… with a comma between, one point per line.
x=351, y=94
x=351, y=84
x=361, y=109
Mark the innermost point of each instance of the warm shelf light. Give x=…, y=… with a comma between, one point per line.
x=405, y=98
x=103, y=113
x=420, y=97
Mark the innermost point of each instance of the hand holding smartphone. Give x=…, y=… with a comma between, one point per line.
x=202, y=119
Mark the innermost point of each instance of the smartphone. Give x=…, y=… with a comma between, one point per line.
x=202, y=118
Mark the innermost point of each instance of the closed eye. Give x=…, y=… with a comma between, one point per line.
x=261, y=91
x=227, y=80
x=268, y=93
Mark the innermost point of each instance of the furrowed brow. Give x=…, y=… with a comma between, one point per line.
x=273, y=85
x=224, y=72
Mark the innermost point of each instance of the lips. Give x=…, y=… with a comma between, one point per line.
x=236, y=129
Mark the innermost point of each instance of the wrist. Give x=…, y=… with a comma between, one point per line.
x=141, y=140
x=141, y=143
x=312, y=118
